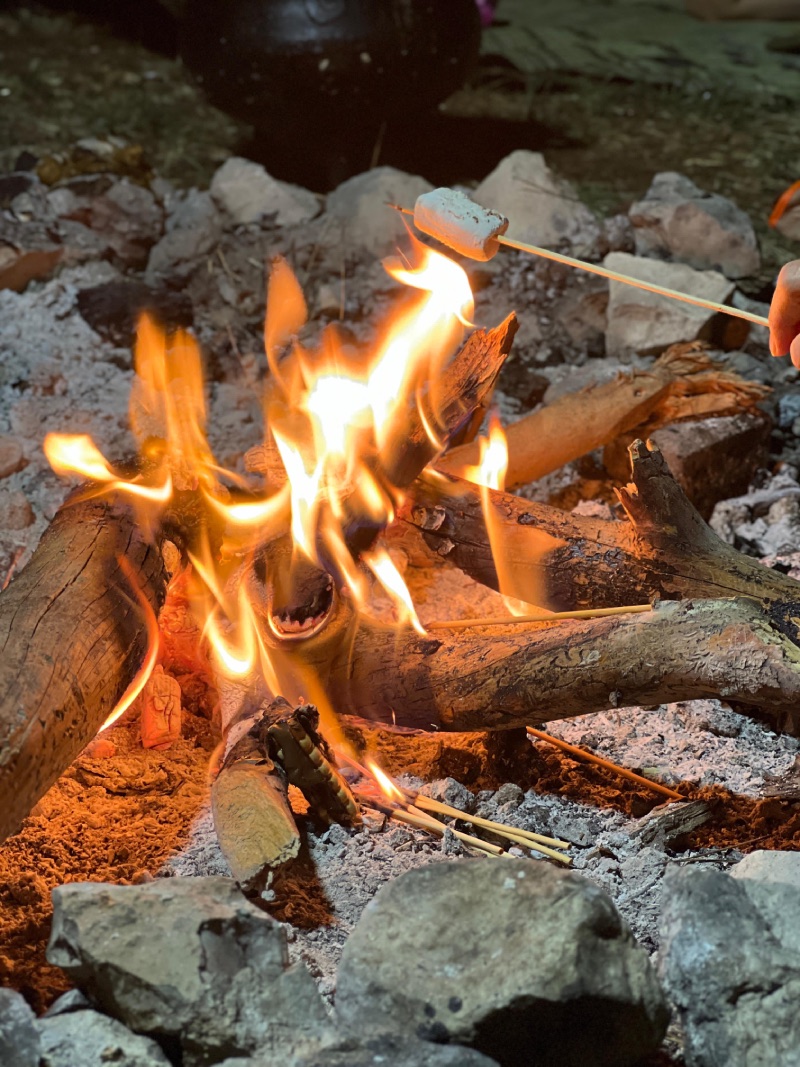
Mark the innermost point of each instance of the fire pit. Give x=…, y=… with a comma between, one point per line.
x=350, y=603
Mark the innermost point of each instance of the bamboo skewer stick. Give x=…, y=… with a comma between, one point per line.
x=421, y=821
x=625, y=279
x=582, y=753
x=428, y=804
x=553, y=616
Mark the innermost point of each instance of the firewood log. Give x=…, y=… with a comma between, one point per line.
x=664, y=549
x=684, y=383
x=73, y=635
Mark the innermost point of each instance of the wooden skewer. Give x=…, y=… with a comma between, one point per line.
x=626, y=279
x=421, y=821
x=553, y=616
x=428, y=804
x=582, y=753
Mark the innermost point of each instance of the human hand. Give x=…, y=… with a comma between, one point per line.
x=784, y=314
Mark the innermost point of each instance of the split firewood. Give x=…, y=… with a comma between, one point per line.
x=249, y=798
x=250, y=805
x=685, y=383
x=74, y=635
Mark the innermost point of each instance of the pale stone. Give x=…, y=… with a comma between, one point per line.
x=644, y=322
x=541, y=208
x=247, y=193
x=359, y=213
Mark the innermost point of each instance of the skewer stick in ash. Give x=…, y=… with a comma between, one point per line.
x=478, y=232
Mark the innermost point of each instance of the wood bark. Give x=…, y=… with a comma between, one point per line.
x=729, y=649
x=72, y=637
x=662, y=550
x=684, y=383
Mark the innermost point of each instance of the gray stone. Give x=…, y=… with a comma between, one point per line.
x=541, y=208
x=72, y=1000
x=644, y=322
x=676, y=220
x=715, y=459
x=89, y=1039
x=192, y=229
x=775, y=868
x=188, y=957
x=385, y=1050
x=247, y=193
x=505, y=957
x=19, y=1038
x=449, y=791
x=358, y=213
x=733, y=980
x=788, y=410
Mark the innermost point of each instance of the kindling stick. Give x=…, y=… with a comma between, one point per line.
x=582, y=753
x=474, y=231
x=552, y=616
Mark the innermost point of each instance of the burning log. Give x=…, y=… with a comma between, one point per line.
x=666, y=550
x=685, y=383
x=74, y=634
x=743, y=648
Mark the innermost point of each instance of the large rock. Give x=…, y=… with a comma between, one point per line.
x=247, y=193
x=542, y=209
x=639, y=321
x=89, y=1039
x=729, y=959
x=19, y=1038
x=770, y=867
x=386, y=1050
x=676, y=220
x=516, y=959
x=188, y=957
x=359, y=213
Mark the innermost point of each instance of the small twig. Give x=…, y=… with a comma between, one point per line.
x=582, y=753
x=553, y=616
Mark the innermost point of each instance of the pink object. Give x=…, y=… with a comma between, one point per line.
x=486, y=8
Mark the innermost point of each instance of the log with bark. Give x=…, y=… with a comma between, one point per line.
x=73, y=634
x=732, y=635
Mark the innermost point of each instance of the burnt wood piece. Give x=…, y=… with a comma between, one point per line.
x=466, y=383
x=72, y=637
x=498, y=679
x=664, y=549
x=743, y=649
x=250, y=803
x=685, y=383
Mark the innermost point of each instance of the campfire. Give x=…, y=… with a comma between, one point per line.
x=286, y=590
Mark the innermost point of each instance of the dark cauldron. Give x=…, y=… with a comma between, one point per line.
x=322, y=73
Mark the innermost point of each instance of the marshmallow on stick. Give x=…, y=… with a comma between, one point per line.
x=477, y=232
x=458, y=222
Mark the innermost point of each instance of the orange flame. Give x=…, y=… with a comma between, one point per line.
x=388, y=787
x=334, y=419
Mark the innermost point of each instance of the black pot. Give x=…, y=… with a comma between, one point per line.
x=329, y=69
